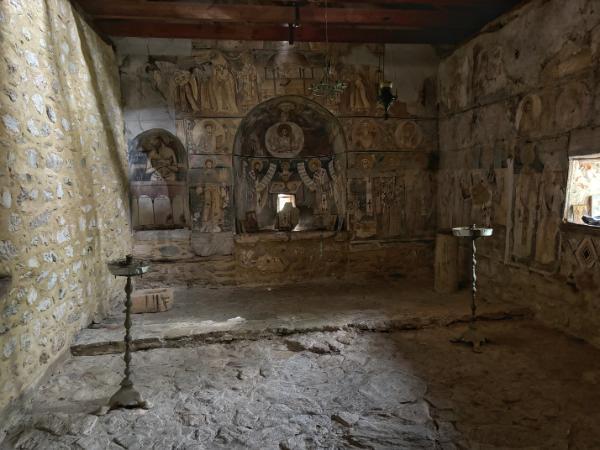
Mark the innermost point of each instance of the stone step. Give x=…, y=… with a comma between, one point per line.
x=109, y=338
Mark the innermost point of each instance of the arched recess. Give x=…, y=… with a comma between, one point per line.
x=158, y=181
x=290, y=146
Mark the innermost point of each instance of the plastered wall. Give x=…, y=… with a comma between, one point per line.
x=357, y=176
x=515, y=103
x=63, y=183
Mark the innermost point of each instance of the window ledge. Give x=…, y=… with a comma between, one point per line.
x=165, y=233
x=582, y=228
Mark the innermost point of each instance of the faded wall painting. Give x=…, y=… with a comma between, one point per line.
x=390, y=195
x=538, y=203
x=158, y=174
x=290, y=149
x=211, y=194
x=224, y=82
x=262, y=153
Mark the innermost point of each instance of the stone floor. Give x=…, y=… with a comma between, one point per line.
x=532, y=388
x=202, y=315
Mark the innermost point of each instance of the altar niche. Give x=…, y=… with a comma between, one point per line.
x=157, y=176
x=289, y=148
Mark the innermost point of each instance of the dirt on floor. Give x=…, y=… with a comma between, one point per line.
x=531, y=388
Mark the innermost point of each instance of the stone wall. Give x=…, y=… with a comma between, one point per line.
x=286, y=257
x=355, y=175
x=515, y=103
x=63, y=177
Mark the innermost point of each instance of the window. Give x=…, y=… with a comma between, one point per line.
x=583, y=194
x=282, y=199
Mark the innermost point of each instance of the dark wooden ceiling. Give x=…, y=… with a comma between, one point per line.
x=390, y=21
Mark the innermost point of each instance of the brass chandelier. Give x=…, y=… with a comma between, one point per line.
x=328, y=87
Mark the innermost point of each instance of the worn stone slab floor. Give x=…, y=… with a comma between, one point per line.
x=531, y=388
x=203, y=315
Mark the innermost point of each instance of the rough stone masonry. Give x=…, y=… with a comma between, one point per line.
x=63, y=209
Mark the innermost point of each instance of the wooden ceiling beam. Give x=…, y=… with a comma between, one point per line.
x=417, y=5
x=164, y=10
x=306, y=33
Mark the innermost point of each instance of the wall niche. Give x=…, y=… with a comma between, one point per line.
x=289, y=160
x=158, y=186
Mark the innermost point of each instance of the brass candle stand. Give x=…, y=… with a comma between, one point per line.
x=127, y=396
x=472, y=336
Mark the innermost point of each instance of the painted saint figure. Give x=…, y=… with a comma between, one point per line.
x=208, y=141
x=215, y=200
x=161, y=162
x=186, y=91
x=364, y=135
x=550, y=207
x=203, y=74
x=248, y=83
x=223, y=84
x=408, y=135
x=529, y=114
x=358, y=92
x=284, y=139
x=526, y=204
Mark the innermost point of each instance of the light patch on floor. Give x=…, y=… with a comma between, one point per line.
x=344, y=389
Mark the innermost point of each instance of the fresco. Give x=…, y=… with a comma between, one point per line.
x=290, y=146
x=255, y=136
x=158, y=178
x=223, y=82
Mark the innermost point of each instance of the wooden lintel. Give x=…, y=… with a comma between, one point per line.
x=241, y=14
x=306, y=33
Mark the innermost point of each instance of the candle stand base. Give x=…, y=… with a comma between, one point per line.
x=472, y=337
x=127, y=397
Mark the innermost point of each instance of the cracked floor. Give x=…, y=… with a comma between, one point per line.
x=532, y=388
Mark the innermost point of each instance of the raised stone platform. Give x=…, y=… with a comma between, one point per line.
x=206, y=315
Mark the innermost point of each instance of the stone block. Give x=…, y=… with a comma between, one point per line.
x=152, y=300
x=208, y=244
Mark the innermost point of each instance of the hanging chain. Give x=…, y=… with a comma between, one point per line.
x=326, y=28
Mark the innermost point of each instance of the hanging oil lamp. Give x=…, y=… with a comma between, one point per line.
x=328, y=87
x=385, y=95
